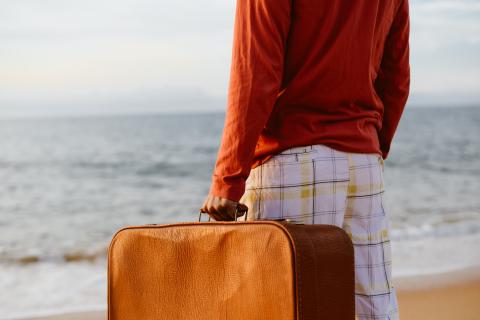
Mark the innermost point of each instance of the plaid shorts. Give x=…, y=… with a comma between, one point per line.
x=321, y=185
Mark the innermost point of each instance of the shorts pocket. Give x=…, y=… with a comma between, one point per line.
x=295, y=154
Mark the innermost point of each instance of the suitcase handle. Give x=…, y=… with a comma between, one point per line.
x=286, y=220
x=237, y=207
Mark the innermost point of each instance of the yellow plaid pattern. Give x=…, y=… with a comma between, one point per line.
x=320, y=185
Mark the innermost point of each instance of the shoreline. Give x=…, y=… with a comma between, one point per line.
x=437, y=280
x=446, y=295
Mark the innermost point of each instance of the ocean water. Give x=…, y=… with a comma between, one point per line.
x=67, y=184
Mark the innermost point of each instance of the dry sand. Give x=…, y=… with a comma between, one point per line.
x=452, y=295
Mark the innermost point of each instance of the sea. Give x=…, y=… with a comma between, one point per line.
x=67, y=184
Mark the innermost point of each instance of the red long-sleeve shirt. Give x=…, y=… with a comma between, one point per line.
x=332, y=72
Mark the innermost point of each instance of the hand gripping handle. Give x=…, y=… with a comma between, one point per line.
x=237, y=209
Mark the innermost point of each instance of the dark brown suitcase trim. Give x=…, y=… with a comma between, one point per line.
x=325, y=271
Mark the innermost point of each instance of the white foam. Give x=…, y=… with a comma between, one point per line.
x=48, y=288
x=434, y=254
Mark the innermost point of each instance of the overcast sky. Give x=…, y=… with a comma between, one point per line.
x=101, y=56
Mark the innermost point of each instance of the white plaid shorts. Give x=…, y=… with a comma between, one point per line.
x=321, y=185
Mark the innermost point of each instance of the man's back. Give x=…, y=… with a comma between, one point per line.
x=330, y=72
x=317, y=88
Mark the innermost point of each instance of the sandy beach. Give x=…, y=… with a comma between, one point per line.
x=450, y=295
x=442, y=296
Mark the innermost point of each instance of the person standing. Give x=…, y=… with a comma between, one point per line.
x=316, y=92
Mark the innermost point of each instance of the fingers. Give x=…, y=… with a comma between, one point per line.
x=212, y=211
x=236, y=207
x=216, y=214
x=223, y=209
x=242, y=209
x=219, y=210
x=205, y=207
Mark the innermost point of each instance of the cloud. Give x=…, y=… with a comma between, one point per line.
x=55, y=50
x=92, y=51
x=445, y=46
x=99, y=18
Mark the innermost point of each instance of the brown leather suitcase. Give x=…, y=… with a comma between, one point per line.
x=235, y=270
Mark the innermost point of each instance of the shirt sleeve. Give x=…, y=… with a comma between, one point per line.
x=393, y=81
x=260, y=33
